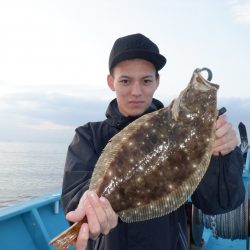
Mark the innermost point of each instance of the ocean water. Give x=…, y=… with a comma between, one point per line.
x=28, y=170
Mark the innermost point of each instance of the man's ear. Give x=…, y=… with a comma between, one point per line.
x=110, y=80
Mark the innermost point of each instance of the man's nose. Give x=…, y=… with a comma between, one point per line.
x=136, y=89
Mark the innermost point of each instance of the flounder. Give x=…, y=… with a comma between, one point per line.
x=152, y=166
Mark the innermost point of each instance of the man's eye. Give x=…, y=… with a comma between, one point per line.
x=147, y=82
x=124, y=82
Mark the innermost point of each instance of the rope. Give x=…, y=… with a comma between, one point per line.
x=232, y=225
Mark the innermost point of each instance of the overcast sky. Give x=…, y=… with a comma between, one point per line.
x=54, y=57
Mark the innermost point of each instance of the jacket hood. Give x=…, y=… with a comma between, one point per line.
x=116, y=119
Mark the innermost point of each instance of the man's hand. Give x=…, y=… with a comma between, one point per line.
x=100, y=215
x=225, y=137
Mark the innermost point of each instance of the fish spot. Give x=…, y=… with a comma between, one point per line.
x=153, y=167
x=141, y=168
x=139, y=179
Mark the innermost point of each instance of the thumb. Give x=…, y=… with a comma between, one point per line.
x=79, y=213
x=74, y=216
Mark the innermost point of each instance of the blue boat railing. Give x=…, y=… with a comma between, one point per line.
x=32, y=224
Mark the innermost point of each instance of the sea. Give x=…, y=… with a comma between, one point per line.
x=29, y=170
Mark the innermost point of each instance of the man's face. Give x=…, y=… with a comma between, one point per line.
x=134, y=82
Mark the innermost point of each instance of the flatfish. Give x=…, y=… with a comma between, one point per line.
x=152, y=166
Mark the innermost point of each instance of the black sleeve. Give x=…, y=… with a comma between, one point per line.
x=80, y=162
x=221, y=189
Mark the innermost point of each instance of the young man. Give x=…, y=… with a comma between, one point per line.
x=134, y=63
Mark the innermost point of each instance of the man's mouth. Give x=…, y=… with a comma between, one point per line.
x=136, y=102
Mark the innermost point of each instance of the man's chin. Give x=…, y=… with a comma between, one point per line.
x=136, y=112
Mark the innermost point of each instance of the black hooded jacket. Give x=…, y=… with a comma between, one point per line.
x=220, y=190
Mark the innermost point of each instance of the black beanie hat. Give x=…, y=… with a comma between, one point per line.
x=136, y=46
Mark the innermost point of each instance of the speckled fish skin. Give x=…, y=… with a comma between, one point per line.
x=151, y=167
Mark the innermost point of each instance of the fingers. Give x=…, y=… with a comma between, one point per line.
x=93, y=217
x=100, y=216
x=103, y=219
x=113, y=217
x=83, y=236
x=223, y=129
x=226, y=139
x=226, y=135
x=79, y=213
x=226, y=147
x=221, y=121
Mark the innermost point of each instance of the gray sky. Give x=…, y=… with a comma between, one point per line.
x=54, y=57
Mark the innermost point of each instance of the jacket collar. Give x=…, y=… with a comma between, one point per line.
x=116, y=119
